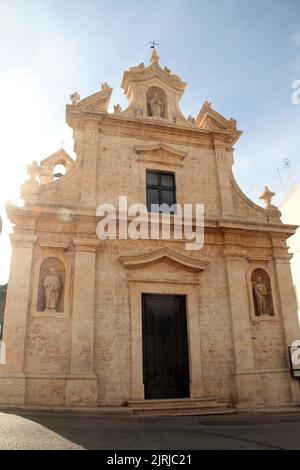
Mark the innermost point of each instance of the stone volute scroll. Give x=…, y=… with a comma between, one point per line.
x=262, y=294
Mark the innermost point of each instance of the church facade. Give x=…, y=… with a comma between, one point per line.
x=95, y=321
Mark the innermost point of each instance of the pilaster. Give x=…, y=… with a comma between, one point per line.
x=224, y=163
x=81, y=388
x=89, y=164
x=12, y=383
x=248, y=387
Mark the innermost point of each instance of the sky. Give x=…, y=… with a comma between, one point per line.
x=242, y=55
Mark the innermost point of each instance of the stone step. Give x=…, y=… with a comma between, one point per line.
x=173, y=403
x=178, y=407
x=192, y=411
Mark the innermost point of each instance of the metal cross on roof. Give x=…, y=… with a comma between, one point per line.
x=153, y=44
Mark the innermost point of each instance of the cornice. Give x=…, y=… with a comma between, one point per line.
x=118, y=124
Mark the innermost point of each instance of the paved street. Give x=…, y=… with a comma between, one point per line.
x=44, y=430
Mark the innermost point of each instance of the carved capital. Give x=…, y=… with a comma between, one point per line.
x=23, y=241
x=259, y=259
x=55, y=245
x=235, y=254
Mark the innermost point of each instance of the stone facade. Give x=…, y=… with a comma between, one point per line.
x=85, y=348
x=2, y=306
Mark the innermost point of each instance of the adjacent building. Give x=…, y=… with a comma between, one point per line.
x=291, y=214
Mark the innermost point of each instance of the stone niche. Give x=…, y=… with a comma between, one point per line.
x=262, y=294
x=157, y=103
x=56, y=267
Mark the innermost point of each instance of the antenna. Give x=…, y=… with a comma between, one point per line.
x=287, y=166
x=281, y=182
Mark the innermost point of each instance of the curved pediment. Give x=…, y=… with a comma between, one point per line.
x=166, y=254
x=160, y=153
x=144, y=75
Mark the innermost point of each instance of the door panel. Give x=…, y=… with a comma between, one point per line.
x=165, y=347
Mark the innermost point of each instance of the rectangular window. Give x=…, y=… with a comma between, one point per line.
x=160, y=189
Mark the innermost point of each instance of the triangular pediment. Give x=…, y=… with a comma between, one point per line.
x=160, y=153
x=98, y=102
x=167, y=255
x=208, y=118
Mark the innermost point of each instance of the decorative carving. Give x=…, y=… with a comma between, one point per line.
x=31, y=187
x=154, y=57
x=233, y=123
x=75, y=97
x=156, y=103
x=105, y=86
x=191, y=119
x=267, y=196
x=117, y=108
x=138, y=113
x=262, y=295
x=52, y=288
x=138, y=68
x=33, y=170
x=220, y=155
x=91, y=135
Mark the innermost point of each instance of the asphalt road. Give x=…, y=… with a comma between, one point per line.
x=44, y=430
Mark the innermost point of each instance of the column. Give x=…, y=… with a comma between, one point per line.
x=12, y=381
x=81, y=389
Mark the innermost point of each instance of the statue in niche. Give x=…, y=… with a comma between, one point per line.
x=156, y=106
x=52, y=288
x=262, y=293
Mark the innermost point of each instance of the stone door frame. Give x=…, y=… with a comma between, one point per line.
x=136, y=289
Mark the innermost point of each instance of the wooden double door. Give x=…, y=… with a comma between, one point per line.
x=165, y=347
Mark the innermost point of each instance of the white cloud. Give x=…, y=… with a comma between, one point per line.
x=295, y=38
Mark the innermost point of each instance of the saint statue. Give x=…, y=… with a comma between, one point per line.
x=261, y=293
x=52, y=288
x=156, y=106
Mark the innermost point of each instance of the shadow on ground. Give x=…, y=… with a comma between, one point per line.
x=47, y=430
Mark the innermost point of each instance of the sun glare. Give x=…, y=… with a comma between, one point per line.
x=27, y=135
